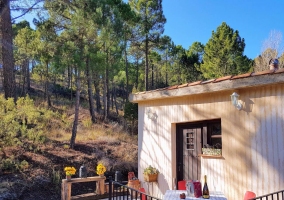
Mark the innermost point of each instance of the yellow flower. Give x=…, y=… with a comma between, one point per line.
x=69, y=171
x=101, y=169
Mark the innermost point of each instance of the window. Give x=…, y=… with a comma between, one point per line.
x=212, y=138
x=214, y=135
x=190, y=141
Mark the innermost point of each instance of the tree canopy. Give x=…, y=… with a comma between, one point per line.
x=103, y=49
x=223, y=53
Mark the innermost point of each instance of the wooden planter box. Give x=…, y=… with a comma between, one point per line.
x=151, y=177
x=212, y=152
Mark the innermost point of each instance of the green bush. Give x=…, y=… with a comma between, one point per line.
x=13, y=165
x=22, y=165
x=23, y=121
x=7, y=164
x=56, y=177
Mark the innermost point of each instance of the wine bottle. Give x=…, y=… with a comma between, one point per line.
x=205, y=191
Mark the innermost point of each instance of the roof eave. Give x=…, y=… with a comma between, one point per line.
x=231, y=84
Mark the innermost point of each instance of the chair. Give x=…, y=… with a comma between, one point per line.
x=182, y=185
x=249, y=195
x=142, y=196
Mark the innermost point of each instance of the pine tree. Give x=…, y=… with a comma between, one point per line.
x=7, y=49
x=150, y=28
x=223, y=54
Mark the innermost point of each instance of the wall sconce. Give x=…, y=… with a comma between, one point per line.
x=150, y=114
x=235, y=101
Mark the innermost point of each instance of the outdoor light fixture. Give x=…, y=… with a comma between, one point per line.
x=235, y=101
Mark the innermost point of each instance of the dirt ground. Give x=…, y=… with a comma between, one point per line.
x=42, y=178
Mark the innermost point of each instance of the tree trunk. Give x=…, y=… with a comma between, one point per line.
x=28, y=77
x=152, y=76
x=137, y=73
x=47, y=95
x=97, y=89
x=126, y=69
x=114, y=96
x=76, y=115
x=7, y=50
x=106, y=91
x=25, y=77
x=146, y=64
x=22, y=83
x=70, y=82
x=69, y=77
x=90, y=93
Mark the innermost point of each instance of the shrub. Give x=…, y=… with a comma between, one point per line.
x=22, y=121
x=12, y=164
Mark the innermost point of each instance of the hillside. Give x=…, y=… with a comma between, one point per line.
x=42, y=179
x=34, y=171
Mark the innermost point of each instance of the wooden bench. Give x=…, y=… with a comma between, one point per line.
x=66, y=187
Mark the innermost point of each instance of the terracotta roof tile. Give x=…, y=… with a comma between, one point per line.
x=223, y=78
x=183, y=85
x=172, y=87
x=230, y=77
x=242, y=75
x=208, y=81
x=263, y=72
x=194, y=83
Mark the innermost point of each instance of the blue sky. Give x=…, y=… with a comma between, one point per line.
x=194, y=20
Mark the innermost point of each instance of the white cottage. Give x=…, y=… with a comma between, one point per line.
x=175, y=123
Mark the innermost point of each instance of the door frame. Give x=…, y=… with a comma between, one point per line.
x=179, y=137
x=179, y=148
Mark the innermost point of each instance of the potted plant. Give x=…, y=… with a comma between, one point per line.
x=215, y=150
x=69, y=172
x=151, y=174
x=101, y=169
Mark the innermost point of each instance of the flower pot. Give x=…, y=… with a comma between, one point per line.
x=102, y=175
x=68, y=178
x=212, y=151
x=150, y=177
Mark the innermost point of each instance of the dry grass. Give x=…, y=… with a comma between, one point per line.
x=94, y=132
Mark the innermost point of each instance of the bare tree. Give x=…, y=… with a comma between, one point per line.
x=274, y=42
x=27, y=6
x=281, y=60
x=272, y=47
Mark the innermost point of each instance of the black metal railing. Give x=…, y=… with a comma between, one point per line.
x=119, y=190
x=271, y=196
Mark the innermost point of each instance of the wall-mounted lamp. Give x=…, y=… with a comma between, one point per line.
x=235, y=101
x=150, y=114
